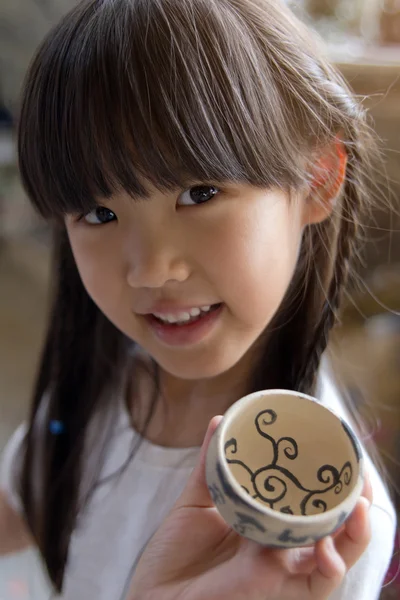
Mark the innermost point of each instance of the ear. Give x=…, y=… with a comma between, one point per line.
x=327, y=178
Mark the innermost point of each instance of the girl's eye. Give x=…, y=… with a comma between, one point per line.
x=100, y=216
x=197, y=195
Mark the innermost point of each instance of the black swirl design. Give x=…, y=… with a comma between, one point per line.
x=270, y=483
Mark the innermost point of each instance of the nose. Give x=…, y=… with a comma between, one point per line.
x=155, y=261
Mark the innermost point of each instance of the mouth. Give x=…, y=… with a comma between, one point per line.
x=185, y=318
x=185, y=329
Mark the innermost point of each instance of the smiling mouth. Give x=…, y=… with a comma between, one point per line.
x=186, y=318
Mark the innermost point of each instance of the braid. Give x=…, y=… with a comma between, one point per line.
x=346, y=245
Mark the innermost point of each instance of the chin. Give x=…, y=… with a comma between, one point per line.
x=205, y=367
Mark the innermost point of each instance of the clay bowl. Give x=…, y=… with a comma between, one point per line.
x=283, y=470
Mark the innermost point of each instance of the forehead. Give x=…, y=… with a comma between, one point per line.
x=154, y=103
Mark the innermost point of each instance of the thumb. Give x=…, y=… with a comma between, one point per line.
x=196, y=490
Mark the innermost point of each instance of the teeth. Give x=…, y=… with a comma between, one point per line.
x=184, y=316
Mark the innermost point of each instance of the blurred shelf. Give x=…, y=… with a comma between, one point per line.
x=30, y=256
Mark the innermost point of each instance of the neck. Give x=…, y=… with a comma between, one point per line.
x=185, y=407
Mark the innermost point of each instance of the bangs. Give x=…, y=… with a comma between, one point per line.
x=123, y=91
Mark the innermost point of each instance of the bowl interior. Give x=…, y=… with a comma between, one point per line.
x=290, y=453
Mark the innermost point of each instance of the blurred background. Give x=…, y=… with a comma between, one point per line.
x=363, y=38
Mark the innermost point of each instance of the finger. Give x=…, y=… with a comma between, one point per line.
x=302, y=560
x=196, y=491
x=367, y=493
x=356, y=535
x=334, y=558
x=329, y=572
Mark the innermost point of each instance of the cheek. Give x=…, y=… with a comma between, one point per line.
x=99, y=269
x=256, y=260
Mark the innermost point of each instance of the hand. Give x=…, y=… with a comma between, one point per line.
x=195, y=555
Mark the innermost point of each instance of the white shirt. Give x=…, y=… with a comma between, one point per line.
x=124, y=513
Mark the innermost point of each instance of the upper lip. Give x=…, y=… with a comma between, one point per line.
x=172, y=308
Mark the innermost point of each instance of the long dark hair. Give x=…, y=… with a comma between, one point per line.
x=219, y=90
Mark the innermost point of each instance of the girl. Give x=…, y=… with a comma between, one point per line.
x=205, y=171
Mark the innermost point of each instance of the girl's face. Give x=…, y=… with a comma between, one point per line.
x=233, y=245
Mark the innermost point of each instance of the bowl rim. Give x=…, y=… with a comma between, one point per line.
x=329, y=514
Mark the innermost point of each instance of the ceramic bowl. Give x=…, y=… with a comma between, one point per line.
x=284, y=470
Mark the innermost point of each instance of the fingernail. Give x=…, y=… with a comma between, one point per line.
x=366, y=502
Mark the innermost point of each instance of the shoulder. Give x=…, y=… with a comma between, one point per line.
x=14, y=534
x=366, y=578
x=333, y=397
